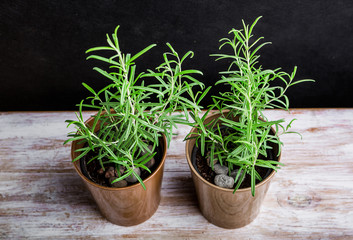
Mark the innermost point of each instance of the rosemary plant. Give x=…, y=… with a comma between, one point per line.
x=128, y=120
x=247, y=136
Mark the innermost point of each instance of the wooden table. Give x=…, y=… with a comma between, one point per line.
x=42, y=197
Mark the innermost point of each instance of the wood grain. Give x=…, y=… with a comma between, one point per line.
x=41, y=196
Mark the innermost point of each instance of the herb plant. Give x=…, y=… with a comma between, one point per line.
x=244, y=143
x=128, y=120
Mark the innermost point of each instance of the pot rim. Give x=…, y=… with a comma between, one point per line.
x=188, y=157
x=137, y=185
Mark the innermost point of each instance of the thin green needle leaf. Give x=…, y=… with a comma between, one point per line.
x=99, y=49
x=253, y=181
x=89, y=88
x=140, y=53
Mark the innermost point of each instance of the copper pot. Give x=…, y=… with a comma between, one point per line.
x=130, y=205
x=219, y=205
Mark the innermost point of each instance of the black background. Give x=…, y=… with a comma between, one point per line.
x=42, y=44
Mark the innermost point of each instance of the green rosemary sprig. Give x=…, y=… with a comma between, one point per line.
x=251, y=92
x=128, y=120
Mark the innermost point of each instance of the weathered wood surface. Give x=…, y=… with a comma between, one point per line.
x=42, y=197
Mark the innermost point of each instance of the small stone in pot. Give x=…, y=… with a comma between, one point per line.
x=121, y=170
x=110, y=172
x=132, y=177
x=234, y=173
x=224, y=181
x=152, y=161
x=118, y=184
x=218, y=169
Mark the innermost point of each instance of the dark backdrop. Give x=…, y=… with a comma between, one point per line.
x=42, y=44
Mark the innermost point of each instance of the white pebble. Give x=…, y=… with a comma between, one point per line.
x=119, y=184
x=234, y=173
x=218, y=169
x=132, y=178
x=224, y=181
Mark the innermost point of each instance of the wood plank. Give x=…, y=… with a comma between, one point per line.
x=42, y=197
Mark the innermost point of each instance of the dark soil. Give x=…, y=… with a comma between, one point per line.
x=95, y=173
x=205, y=171
x=208, y=174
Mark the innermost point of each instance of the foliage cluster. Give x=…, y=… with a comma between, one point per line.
x=127, y=120
x=251, y=91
